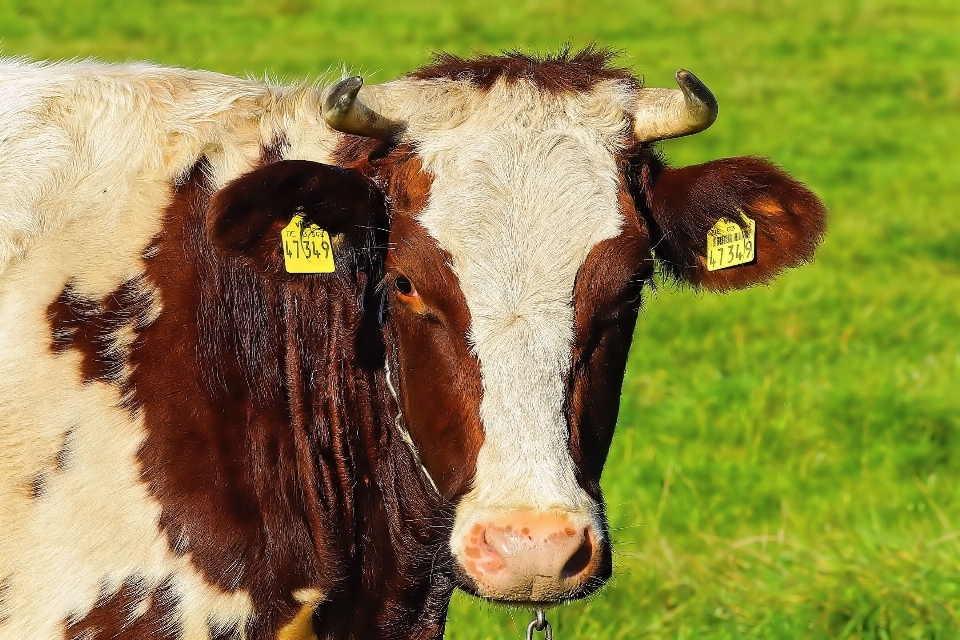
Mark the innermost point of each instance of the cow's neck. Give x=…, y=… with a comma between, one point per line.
x=373, y=515
x=394, y=588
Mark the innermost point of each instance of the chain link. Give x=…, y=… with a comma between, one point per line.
x=539, y=623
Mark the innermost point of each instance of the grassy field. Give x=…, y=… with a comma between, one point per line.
x=788, y=458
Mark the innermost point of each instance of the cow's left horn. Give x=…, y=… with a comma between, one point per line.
x=344, y=111
x=671, y=113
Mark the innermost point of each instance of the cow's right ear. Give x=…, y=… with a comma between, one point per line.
x=246, y=217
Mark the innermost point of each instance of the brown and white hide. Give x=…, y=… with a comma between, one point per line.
x=195, y=443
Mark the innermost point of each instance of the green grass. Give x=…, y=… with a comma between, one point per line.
x=788, y=458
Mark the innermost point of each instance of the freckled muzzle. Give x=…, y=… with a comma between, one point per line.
x=533, y=557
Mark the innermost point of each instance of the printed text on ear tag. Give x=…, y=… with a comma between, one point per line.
x=306, y=249
x=728, y=245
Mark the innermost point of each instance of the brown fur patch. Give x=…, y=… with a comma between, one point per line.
x=562, y=73
x=131, y=613
x=441, y=399
x=438, y=377
x=270, y=449
x=211, y=378
x=606, y=299
x=92, y=327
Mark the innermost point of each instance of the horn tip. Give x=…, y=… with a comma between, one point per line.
x=694, y=87
x=345, y=89
x=351, y=84
x=687, y=80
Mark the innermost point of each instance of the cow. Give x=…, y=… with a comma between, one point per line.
x=200, y=437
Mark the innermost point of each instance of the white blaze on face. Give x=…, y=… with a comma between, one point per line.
x=523, y=188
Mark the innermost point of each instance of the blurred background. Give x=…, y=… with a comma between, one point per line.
x=788, y=458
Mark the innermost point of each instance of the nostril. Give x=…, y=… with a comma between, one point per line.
x=580, y=559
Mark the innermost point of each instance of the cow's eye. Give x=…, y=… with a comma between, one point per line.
x=407, y=294
x=404, y=287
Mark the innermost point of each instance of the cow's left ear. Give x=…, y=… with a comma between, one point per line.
x=685, y=204
x=246, y=217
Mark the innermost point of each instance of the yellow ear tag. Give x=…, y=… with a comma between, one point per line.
x=306, y=250
x=728, y=245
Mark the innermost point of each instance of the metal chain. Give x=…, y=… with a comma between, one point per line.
x=539, y=623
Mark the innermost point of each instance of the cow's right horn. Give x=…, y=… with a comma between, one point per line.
x=671, y=113
x=344, y=111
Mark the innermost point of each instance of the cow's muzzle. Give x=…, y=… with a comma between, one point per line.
x=531, y=557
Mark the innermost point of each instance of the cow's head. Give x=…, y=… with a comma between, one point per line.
x=526, y=211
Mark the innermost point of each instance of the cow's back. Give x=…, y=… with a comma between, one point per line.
x=89, y=157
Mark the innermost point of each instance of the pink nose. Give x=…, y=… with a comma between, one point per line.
x=530, y=557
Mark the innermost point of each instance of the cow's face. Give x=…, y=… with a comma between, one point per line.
x=514, y=273
x=526, y=210
x=523, y=225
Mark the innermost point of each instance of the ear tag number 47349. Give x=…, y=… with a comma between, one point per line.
x=729, y=245
x=306, y=249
